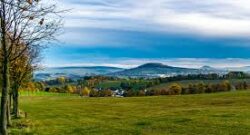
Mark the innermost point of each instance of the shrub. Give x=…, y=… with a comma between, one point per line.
x=164, y=91
x=141, y=93
x=69, y=89
x=241, y=86
x=192, y=88
x=153, y=92
x=157, y=92
x=85, y=92
x=53, y=89
x=224, y=86
x=175, y=89
x=129, y=93
x=105, y=93
x=40, y=86
x=201, y=87
x=209, y=88
x=61, y=80
x=93, y=93
x=30, y=86
x=185, y=91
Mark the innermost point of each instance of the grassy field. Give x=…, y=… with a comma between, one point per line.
x=220, y=113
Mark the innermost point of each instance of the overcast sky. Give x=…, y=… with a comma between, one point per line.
x=127, y=33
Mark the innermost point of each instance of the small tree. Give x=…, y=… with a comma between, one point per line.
x=61, y=80
x=141, y=93
x=129, y=93
x=31, y=87
x=108, y=93
x=175, y=89
x=85, y=92
x=210, y=88
x=153, y=92
x=224, y=86
x=105, y=93
x=69, y=89
x=40, y=86
x=201, y=88
x=93, y=93
x=164, y=91
x=54, y=89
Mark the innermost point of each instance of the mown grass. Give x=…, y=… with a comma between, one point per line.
x=220, y=113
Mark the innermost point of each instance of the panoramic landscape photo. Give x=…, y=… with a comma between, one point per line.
x=125, y=67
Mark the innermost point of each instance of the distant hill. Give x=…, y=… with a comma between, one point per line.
x=145, y=70
x=207, y=68
x=73, y=72
x=155, y=70
x=161, y=70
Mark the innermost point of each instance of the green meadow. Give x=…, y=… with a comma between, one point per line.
x=220, y=113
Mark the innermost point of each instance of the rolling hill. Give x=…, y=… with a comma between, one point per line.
x=161, y=70
x=73, y=72
x=145, y=70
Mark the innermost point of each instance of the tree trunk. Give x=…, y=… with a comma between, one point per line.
x=16, y=101
x=9, y=123
x=5, y=75
x=4, y=99
x=10, y=101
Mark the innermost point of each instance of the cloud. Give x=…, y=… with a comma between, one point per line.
x=207, y=17
x=134, y=62
x=154, y=31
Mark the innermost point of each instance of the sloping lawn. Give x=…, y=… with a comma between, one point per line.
x=220, y=113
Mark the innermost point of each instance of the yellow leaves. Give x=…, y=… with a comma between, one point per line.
x=30, y=86
x=70, y=89
x=85, y=91
x=61, y=80
x=175, y=89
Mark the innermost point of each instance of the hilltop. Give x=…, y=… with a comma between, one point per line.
x=161, y=70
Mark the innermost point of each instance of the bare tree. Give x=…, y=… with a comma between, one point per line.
x=30, y=23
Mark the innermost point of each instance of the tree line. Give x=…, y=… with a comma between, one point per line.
x=140, y=83
x=212, y=76
x=128, y=91
x=197, y=88
x=27, y=26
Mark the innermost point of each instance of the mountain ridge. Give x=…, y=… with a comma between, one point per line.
x=144, y=70
x=73, y=72
x=154, y=70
